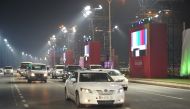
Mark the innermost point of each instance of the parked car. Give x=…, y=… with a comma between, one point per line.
x=93, y=88
x=37, y=72
x=58, y=71
x=69, y=70
x=117, y=76
x=8, y=70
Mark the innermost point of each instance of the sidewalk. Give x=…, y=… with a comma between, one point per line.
x=159, y=83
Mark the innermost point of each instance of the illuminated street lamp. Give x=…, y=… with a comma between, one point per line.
x=11, y=49
x=49, y=43
x=63, y=29
x=7, y=45
x=74, y=29
x=5, y=40
x=156, y=16
x=87, y=11
x=99, y=7
x=48, y=51
x=53, y=38
x=45, y=58
x=116, y=27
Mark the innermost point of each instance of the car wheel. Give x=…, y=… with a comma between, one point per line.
x=45, y=81
x=29, y=81
x=66, y=96
x=119, y=105
x=78, y=100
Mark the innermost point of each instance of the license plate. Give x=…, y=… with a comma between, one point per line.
x=105, y=97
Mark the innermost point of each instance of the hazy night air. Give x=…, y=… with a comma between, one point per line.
x=25, y=20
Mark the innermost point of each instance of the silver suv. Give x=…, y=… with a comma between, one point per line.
x=8, y=70
x=69, y=70
x=37, y=72
x=58, y=71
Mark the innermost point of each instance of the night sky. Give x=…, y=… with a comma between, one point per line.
x=28, y=24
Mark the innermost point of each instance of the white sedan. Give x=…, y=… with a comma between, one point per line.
x=117, y=76
x=93, y=88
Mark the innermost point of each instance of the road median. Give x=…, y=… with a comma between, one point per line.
x=174, y=83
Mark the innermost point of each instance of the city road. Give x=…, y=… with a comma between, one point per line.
x=16, y=93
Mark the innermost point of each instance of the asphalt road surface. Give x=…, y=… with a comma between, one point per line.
x=16, y=93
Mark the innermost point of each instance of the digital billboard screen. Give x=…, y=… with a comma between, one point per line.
x=139, y=42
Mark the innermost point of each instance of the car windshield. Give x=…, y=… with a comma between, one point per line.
x=38, y=67
x=24, y=65
x=8, y=67
x=59, y=67
x=95, y=77
x=72, y=68
x=114, y=73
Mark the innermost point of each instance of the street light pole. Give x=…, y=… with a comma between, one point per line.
x=92, y=27
x=110, y=43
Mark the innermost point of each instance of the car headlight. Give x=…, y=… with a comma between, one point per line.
x=126, y=80
x=45, y=74
x=121, y=90
x=32, y=74
x=85, y=90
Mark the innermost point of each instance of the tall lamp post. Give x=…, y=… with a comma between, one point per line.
x=87, y=11
x=53, y=43
x=110, y=43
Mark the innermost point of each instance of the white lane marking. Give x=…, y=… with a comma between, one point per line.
x=12, y=91
x=24, y=101
x=186, y=90
x=127, y=108
x=150, y=90
x=26, y=105
x=167, y=96
x=21, y=97
x=156, y=93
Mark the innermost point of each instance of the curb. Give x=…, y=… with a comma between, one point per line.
x=172, y=85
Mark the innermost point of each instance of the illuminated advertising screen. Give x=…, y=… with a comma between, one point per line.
x=139, y=42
